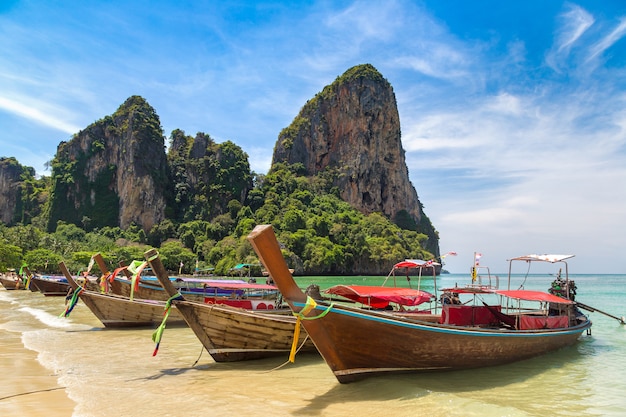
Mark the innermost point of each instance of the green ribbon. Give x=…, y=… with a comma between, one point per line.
x=72, y=302
x=158, y=333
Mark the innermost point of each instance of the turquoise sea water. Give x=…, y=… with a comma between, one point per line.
x=112, y=372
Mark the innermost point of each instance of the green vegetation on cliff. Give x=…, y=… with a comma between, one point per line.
x=321, y=234
x=205, y=176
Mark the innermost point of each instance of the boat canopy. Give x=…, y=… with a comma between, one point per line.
x=241, y=286
x=529, y=295
x=380, y=297
x=242, y=266
x=414, y=263
x=544, y=258
x=470, y=289
x=207, y=281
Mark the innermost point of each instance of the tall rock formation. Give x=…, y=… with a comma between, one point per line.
x=352, y=128
x=10, y=190
x=22, y=196
x=112, y=173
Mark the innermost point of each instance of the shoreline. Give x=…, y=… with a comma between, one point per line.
x=34, y=390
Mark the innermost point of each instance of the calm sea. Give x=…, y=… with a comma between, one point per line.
x=113, y=373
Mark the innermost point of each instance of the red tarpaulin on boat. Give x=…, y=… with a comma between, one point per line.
x=533, y=296
x=380, y=297
x=545, y=322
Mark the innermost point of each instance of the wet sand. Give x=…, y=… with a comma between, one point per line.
x=33, y=389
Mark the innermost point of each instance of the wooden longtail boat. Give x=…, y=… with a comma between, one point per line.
x=19, y=281
x=117, y=311
x=11, y=282
x=232, y=334
x=50, y=286
x=357, y=343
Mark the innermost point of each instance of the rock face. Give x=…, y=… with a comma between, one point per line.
x=352, y=128
x=113, y=173
x=10, y=193
x=22, y=196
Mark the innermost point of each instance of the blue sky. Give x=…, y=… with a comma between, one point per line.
x=513, y=114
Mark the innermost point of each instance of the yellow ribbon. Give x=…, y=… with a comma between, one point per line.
x=308, y=306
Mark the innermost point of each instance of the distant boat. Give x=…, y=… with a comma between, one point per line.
x=12, y=282
x=50, y=286
x=19, y=281
x=357, y=343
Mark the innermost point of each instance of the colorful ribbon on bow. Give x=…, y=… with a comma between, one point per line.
x=158, y=333
x=73, y=302
x=308, y=306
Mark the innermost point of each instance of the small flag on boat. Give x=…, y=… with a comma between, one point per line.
x=91, y=262
x=477, y=258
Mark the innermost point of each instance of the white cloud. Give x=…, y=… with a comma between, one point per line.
x=607, y=41
x=574, y=23
x=39, y=113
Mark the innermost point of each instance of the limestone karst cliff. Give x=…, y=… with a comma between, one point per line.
x=352, y=129
x=21, y=194
x=10, y=193
x=114, y=172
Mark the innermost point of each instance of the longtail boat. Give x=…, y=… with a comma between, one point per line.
x=11, y=282
x=233, y=334
x=357, y=343
x=115, y=311
x=19, y=281
x=50, y=286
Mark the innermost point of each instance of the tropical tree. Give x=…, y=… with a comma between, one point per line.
x=10, y=256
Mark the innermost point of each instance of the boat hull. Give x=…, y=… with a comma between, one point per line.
x=11, y=283
x=231, y=334
x=381, y=343
x=116, y=311
x=50, y=287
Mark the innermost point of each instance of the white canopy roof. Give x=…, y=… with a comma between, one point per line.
x=544, y=258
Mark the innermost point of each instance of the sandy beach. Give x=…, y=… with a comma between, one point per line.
x=33, y=390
